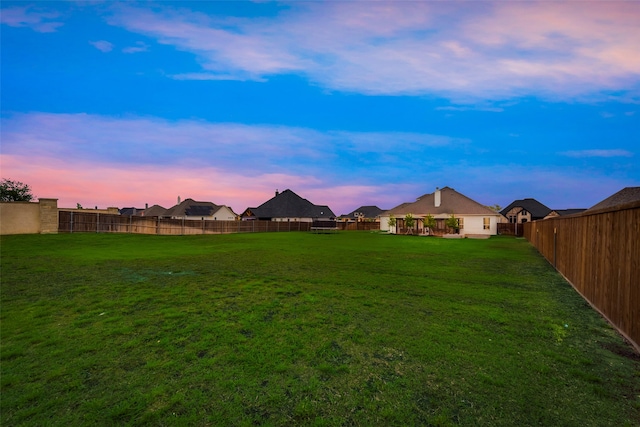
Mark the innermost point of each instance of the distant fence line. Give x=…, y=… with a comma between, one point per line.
x=80, y=222
x=599, y=254
x=91, y=222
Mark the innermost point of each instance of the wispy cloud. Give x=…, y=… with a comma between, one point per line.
x=248, y=148
x=471, y=108
x=598, y=153
x=30, y=17
x=212, y=76
x=494, y=50
x=102, y=45
x=139, y=47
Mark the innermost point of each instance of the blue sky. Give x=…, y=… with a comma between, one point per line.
x=345, y=103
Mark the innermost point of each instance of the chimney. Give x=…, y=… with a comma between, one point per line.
x=146, y=205
x=178, y=199
x=437, y=197
x=277, y=192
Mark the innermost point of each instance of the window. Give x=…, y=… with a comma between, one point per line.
x=460, y=223
x=486, y=223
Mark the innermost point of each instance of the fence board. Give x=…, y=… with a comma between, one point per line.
x=599, y=254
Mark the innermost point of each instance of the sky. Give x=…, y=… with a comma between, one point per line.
x=345, y=103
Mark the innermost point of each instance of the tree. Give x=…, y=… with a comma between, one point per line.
x=392, y=222
x=14, y=191
x=496, y=208
x=409, y=221
x=429, y=223
x=452, y=222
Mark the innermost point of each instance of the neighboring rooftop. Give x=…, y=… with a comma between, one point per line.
x=364, y=212
x=155, y=210
x=622, y=197
x=131, y=211
x=564, y=212
x=449, y=201
x=534, y=207
x=288, y=204
x=184, y=208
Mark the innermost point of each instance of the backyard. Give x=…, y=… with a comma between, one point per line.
x=353, y=328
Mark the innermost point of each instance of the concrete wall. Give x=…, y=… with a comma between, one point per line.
x=29, y=217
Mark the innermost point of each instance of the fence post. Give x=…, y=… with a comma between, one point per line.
x=555, y=242
x=71, y=223
x=97, y=222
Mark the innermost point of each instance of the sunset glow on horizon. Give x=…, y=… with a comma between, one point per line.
x=345, y=103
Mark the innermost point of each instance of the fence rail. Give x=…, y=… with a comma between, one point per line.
x=81, y=222
x=599, y=254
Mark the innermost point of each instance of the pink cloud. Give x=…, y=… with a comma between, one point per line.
x=498, y=50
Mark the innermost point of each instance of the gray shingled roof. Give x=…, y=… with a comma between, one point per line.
x=199, y=210
x=534, y=207
x=155, y=210
x=289, y=205
x=366, y=211
x=624, y=196
x=180, y=210
x=451, y=202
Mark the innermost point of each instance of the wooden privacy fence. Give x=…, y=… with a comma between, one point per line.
x=358, y=226
x=81, y=222
x=510, y=229
x=599, y=254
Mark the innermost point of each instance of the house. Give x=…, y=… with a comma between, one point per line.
x=474, y=219
x=191, y=209
x=288, y=206
x=525, y=210
x=363, y=213
x=622, y=197
x=155, y=210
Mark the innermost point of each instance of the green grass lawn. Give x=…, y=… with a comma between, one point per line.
x=354, y=328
